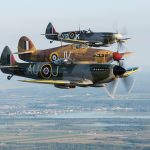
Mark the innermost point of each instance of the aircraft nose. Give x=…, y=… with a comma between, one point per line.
x=118, y=71
x=117, y=56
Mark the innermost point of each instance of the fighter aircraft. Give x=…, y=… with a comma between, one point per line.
x=87, y=37
x=63, y=74
x=28, y=52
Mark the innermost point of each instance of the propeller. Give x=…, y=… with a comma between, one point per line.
x=118, y=57
x=112, y=87
x=127, y=81
x=121, y=52
x=120, y=38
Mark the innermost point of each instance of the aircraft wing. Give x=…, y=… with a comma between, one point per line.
x=75, y=41
x=84, y=82
x=60, y=82
x=47, y=81
x=130, y=71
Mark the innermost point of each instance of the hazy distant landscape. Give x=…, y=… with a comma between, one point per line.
x=40, y=116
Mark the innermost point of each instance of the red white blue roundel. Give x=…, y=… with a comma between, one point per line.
x=72, y=35
x=54, y=57
x=46, y=71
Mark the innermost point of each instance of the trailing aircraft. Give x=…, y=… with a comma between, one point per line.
x=28, y=52
x=86, y=37
x=63, y=74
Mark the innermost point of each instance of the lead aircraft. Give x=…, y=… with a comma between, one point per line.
x=64, y=74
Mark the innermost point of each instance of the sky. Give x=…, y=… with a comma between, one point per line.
x=30, y=18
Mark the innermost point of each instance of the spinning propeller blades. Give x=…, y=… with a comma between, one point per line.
x=127, y=81
x=120, y=38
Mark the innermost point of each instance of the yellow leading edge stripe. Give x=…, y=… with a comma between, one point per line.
x=130, y=72
x=47, y=81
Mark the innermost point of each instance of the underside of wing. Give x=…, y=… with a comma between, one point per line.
x=61, y=82
x=76, y=41
x=83, y=83
x=47, y=81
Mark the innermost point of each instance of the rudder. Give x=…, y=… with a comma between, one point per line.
x=50, y=30
x=25, y=47
x=7, y=58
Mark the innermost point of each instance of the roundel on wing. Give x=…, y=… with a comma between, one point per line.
x=46, y=71
x=53, y=56
x=72, y=35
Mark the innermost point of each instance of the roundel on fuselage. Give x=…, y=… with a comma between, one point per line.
x=46, y=71
x=53, y=56
x=72, y=35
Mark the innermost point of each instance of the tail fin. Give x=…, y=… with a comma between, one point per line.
x=50, y=30
x=25, y=47
x=7, y=58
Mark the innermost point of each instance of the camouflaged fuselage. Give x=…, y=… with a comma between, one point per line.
x=97, y=73
x=77, y=53
x=103, y=38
